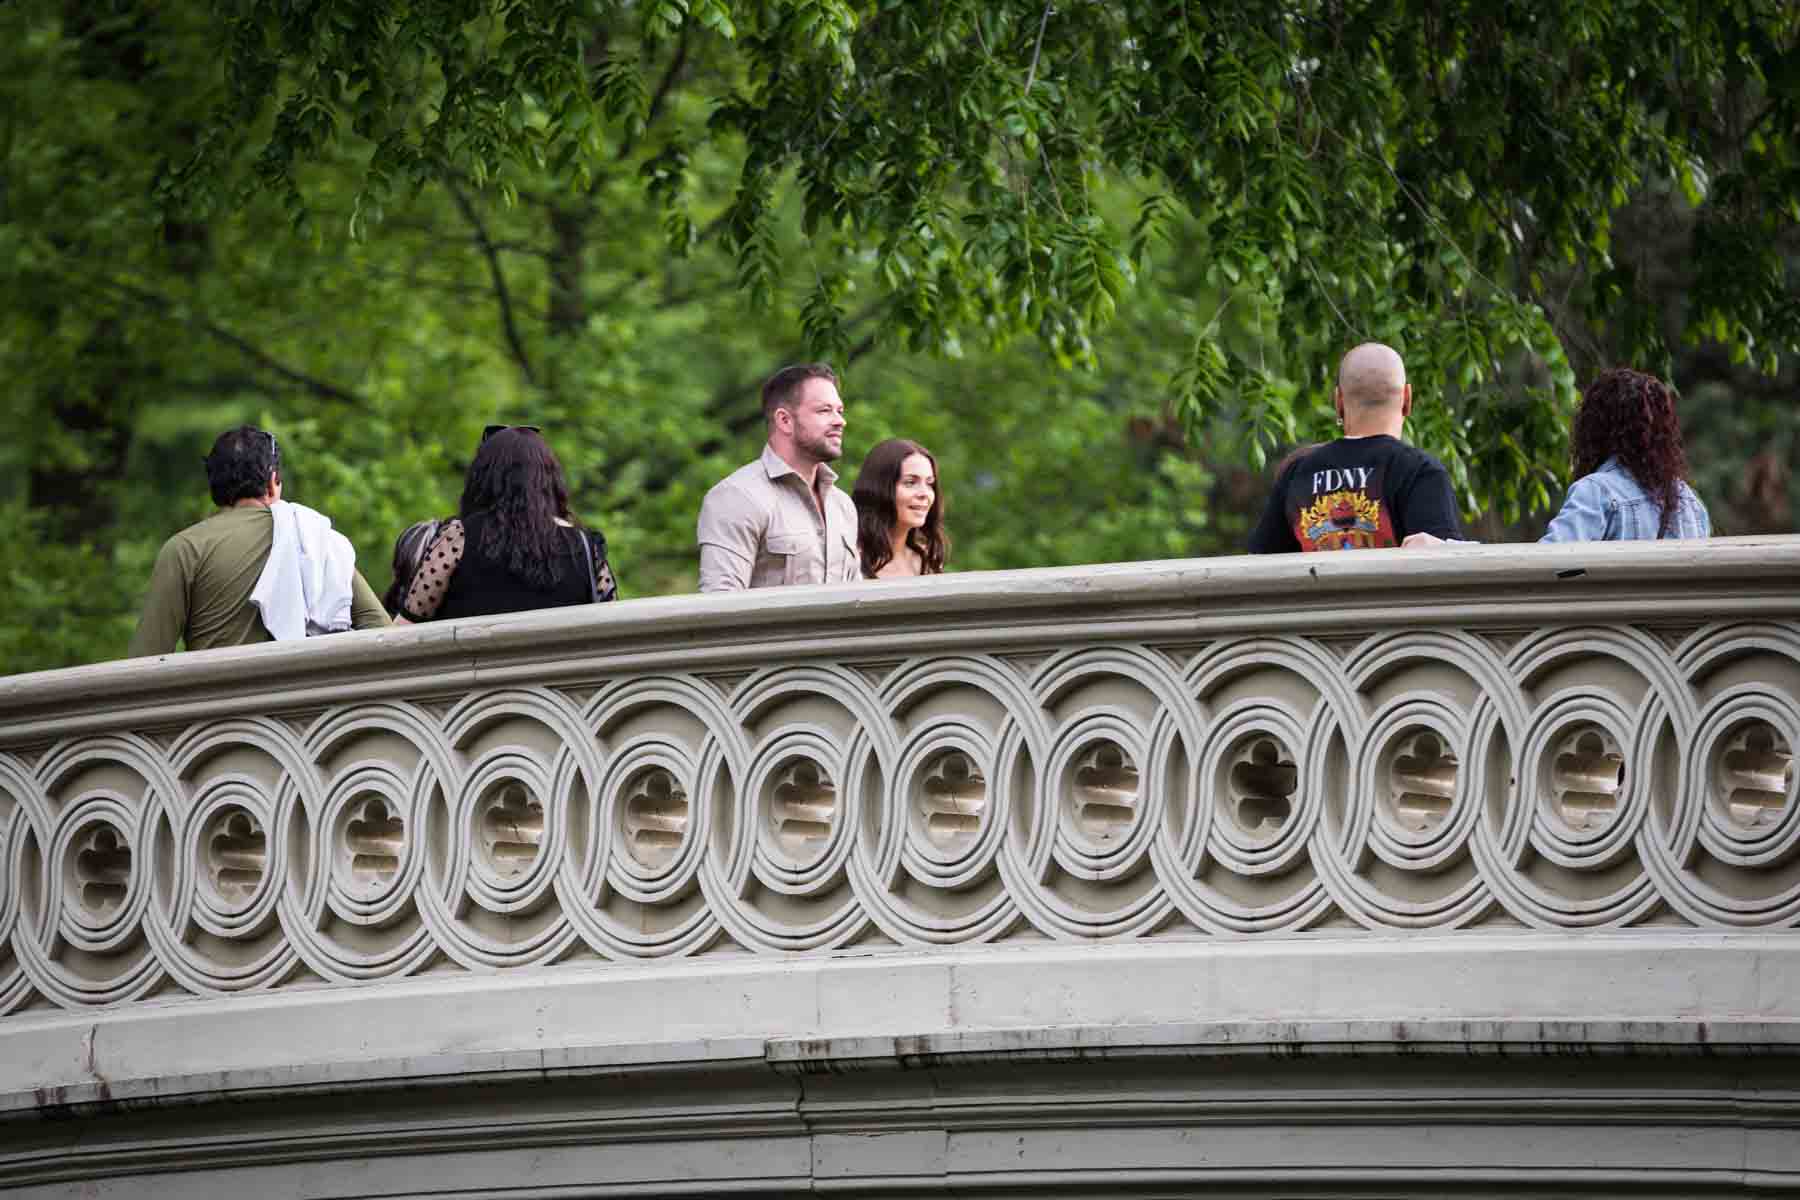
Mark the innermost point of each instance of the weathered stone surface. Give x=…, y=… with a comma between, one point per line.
x=1468, y=871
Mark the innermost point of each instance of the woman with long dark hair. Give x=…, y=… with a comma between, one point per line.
x=900, y=512
x=1628, y=466
x=514, y=544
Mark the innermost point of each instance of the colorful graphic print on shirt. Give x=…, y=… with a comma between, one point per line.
x=1344, y=513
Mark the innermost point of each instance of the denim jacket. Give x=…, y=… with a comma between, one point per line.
x=1610, y=506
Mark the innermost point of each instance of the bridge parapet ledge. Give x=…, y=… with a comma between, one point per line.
x=1534, y=744
x=1377, y=873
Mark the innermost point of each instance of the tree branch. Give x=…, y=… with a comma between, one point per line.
x=1043, y=23
x=437, y=234
x=664, y=86
x=262, y=358
x=488, y=250
x=222, y=385
x=418, y=281
x=1323, y=291
x=1424, y=210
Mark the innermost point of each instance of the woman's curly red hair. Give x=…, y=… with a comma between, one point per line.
x=1632, y=415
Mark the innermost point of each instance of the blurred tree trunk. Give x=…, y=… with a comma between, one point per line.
x=74, y=478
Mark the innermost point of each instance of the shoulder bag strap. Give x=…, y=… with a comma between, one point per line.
x=587, y=556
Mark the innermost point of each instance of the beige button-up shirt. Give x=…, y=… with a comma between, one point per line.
x=759, y=527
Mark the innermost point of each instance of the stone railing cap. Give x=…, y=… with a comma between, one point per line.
x=1242, y=587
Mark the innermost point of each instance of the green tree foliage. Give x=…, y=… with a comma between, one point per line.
x=131, y=339
x=1443, y=176
x=1101, y=257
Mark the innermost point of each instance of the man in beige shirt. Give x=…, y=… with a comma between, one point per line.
x=782, y=519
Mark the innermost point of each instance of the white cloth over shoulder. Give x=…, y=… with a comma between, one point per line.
x=305, y=586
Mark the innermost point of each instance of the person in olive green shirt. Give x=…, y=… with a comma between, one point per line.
x=201, y=585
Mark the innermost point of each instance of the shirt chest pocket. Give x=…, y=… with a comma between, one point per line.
x=791, y=549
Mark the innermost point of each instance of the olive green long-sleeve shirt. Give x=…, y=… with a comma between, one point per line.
x=200, y=588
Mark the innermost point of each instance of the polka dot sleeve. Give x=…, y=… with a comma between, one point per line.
x=604, y=587
x=429, y=585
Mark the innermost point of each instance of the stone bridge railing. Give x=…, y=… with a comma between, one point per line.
x=1596, y=737
x=1507, y=796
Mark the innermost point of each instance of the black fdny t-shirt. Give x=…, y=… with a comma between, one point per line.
x=1357, y=494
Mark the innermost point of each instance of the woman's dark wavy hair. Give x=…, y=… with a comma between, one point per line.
x=516, y=482
x=876, y=518
x=1632, y=415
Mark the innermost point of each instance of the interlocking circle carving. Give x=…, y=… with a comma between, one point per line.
x=1418, y=779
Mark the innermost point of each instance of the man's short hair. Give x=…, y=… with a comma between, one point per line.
x=242, y=462
x=783, y=388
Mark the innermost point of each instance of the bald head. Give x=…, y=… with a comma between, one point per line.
x=1371, y=376
x=1372, y=396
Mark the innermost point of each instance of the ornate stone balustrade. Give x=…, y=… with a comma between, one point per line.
x=1601, y=737
x=1470, y=754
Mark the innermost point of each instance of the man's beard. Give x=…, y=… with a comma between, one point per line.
x=819, y=449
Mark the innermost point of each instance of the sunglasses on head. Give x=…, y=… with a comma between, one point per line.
x=491, y=430
x=274, y=451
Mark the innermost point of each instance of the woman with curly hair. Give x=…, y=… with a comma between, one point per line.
x=513, y=544
x=900, y=512
x=1628, y=466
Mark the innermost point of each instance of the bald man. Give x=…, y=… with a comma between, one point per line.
x=1368, y=488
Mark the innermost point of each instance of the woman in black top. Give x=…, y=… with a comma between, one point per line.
x=514, y=545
